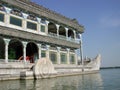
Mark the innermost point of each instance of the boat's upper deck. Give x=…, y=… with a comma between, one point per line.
x=31, y=23
x=28, y=6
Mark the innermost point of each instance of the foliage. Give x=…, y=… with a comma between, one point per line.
x=12, y=54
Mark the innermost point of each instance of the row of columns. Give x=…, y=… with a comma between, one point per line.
x=68, y=56
x=39, y=52
x=66, y=29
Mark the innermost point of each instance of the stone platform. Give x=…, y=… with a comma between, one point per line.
x=11, y=71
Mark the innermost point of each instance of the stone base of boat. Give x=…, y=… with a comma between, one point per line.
x=26, y=75
x=43, y=68
x=12, y=71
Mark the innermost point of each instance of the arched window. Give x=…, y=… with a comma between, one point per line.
x=77, y=35
x=31, y=52
x=2, y=48
x=15, y=49
x=70, y=34
x=52, y=28
x=62, y=31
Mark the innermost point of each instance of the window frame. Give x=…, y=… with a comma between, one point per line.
x=71, y=57
x=3, y=12
x=34, y=22
x=43, y=51
x=41, y=28
x=53, y=52
x=3, y=17
x=65, y=61
x=17, y=17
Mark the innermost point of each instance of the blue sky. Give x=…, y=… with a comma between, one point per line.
x=101, y=19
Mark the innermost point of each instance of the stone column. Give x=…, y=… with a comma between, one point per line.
x=39, y=25
x=76, y=59
x=66, y=33
x=6, y=49
x=68, y=56
x=58, y=55
x=7, y=18
x=24, y=51
x=24, y=24
x=47, y=52
x=81, y=50
x=46, y=28
x=57, y=29
x=39, y=51
x=74, y=35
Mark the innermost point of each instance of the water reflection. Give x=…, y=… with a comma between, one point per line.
x=80, y=82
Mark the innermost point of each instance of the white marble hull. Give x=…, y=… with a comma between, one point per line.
x=45, y=69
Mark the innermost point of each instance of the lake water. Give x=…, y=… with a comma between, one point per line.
x=106, y=79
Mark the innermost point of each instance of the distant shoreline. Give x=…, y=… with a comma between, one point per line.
x=117, y=67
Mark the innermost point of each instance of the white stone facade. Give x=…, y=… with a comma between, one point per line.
x=22, y=48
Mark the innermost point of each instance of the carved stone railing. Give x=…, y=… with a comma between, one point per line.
x=2, y=60
x=52, y=35
x=62, y=37
x=10, y=60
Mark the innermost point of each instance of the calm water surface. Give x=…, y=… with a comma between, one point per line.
x=107, y=79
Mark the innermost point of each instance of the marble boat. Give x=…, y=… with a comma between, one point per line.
x=36, y=42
